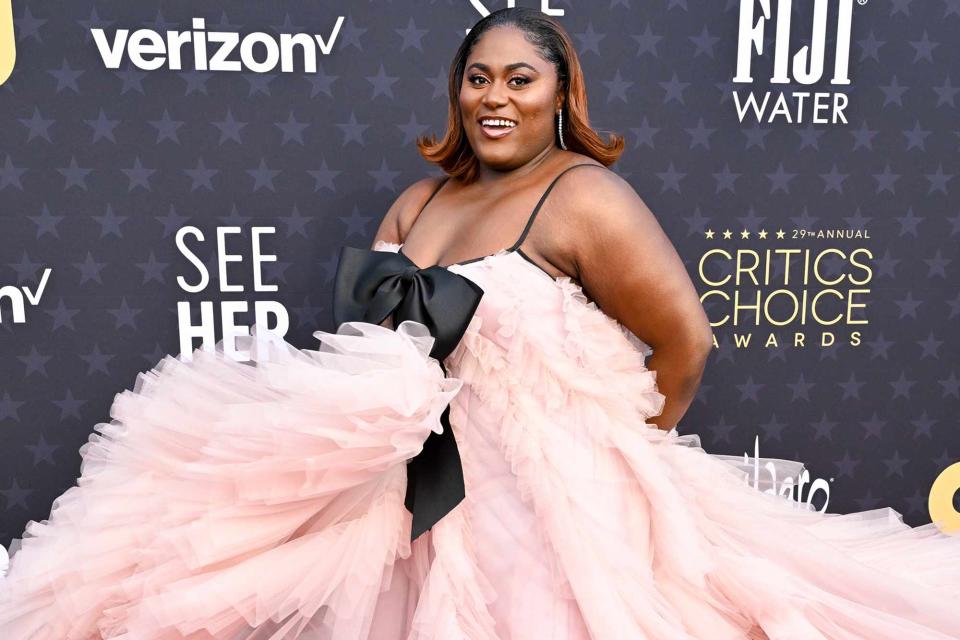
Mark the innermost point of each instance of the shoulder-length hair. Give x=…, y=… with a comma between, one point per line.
x=453, y=152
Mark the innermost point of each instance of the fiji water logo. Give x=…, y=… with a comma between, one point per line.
x=8, y=47
x=18, y=297
x=215, y=50
x=806, y=66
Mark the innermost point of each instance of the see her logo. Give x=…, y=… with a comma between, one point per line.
x=8, y=50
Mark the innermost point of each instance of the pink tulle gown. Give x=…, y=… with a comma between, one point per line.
x=265, y=502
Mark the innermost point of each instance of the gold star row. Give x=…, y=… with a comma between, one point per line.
x=727, y=234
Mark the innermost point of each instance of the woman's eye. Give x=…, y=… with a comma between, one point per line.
x=522, y=80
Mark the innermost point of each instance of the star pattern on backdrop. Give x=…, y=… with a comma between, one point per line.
x=100, y=168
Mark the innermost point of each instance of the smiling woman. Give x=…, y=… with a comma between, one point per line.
x=479, y=452
x=547, y=98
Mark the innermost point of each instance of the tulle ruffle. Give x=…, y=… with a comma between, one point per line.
x=238, y=501
x=645, y=533
x=265, y=502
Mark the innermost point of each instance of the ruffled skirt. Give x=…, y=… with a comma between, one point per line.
x=237, y=500
x=264, y=501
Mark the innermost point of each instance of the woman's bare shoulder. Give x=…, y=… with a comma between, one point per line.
x=403, y=212
x=597, y=195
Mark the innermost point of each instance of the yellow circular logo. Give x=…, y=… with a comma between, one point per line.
x=940, y=501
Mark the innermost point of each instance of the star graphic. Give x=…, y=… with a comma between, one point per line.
x=321, y=82
x=97, y=361
x=263, y=176
x=132, y=80
x=704, y=42
x=323, y=177
x=353, y=131
x=124, y=315
x=647, y=42
x=412, y=37
x=946, y=93
x=37, y=126
x=28, y=26
x=42, y=451
x=644, y=134
x=384, y=177
x=103, y=127
x=670, y=179
x=382, y=83
x=411, y=130
x=74, y=175
x=229, y=128
x=171, y=221
x=201, y=176
x=90, y=269
x=66, y=77
x=139, y=175
x=292, y=130
x=296, y=223
x=94, y=22
x=62, y=316
x=589, y=40
x=70, y=406
x=356, y=223
x=35, y=362
x=10, y=175
x=674, y=89
x=110, y=223
x=617, y=87
x=16, y=495
x=153, y=269
x=166, y=128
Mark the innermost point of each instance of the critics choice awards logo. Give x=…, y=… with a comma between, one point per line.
x=820, y=294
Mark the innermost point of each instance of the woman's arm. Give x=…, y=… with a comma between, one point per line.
x=629, y=267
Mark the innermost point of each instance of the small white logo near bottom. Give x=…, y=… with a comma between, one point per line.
x=789, y=487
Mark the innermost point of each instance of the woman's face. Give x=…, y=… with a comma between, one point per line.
x=505, y=78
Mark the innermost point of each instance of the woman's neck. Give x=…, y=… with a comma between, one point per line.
x=487, y=175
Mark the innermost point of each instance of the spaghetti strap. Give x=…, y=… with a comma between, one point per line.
x=536, y=209
x=435, y=192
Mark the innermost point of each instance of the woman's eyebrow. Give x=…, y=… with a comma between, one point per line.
x=509, y=67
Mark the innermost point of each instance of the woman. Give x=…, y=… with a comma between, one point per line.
x=550, y=500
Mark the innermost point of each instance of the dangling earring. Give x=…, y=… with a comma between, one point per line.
x=560, y=128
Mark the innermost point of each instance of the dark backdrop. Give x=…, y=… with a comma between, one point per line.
x=99, y=168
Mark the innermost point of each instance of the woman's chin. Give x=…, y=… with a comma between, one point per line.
x=497, y=157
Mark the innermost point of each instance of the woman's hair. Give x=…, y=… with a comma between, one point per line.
x=454, y=154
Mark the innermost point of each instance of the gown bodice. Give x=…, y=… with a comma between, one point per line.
x=501, y=305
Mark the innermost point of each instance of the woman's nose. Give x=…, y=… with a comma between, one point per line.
x=495, y=94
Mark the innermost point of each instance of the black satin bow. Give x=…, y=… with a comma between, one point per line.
x=371, y=285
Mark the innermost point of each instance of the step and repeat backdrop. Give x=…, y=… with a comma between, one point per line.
x=172, y=173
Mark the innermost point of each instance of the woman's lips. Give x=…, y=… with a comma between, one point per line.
x=495, y=133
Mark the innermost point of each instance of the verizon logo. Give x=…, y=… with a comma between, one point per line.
x=215, y=50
